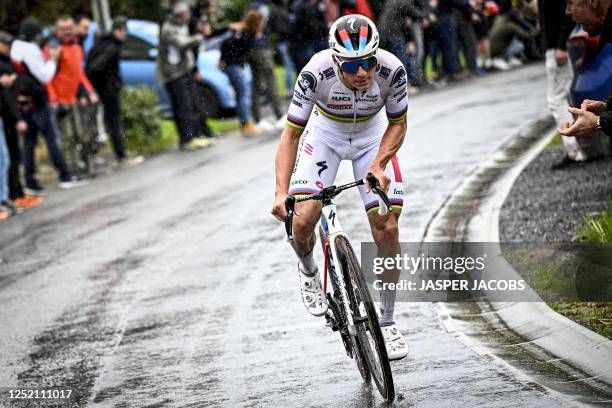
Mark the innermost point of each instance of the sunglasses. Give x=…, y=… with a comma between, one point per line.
x=352, y=66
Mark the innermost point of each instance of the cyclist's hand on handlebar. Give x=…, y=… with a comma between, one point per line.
x=381, y=177
x=278, y=208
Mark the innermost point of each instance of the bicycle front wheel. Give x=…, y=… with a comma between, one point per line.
x=369, y=336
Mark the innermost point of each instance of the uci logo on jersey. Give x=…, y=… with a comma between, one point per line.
x=341, y=98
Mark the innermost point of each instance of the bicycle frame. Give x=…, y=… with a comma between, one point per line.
x=333, y=228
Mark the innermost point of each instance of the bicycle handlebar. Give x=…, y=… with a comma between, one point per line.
x=328, y=193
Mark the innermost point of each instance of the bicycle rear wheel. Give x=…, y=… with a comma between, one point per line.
x=369, y=336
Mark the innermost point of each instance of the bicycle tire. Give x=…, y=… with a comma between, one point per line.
x=359, y=294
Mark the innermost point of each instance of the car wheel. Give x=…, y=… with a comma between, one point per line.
x=209, y=102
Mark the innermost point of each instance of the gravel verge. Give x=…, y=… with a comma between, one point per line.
x=549, y=205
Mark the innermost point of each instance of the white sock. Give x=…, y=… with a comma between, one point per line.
x=308, y=263
x=387, y=298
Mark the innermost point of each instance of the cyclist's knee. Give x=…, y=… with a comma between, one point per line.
x=303, y=227
x=384, y=229
x=305, y=223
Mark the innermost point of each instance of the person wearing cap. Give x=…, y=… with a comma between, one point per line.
x=177, y=71
x=35, y=72
x=69, y=86
x=12, y=121
x=102, y=69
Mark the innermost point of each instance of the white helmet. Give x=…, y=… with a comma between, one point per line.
x=353, y=36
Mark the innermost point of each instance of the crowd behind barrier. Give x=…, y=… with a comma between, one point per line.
x=54, y=88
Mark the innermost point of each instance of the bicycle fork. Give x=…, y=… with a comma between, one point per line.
x=333, y=229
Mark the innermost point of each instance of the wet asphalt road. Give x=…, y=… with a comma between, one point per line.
x=169, y=284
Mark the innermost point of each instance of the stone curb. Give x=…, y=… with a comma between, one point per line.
x=471, y=213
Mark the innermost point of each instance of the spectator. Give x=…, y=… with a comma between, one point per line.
x=280, y=25
x=82, y=28
x=592, y=116
x=35, y=73
x=480, y=20
x=234, y=54
x=102, y=69
x=307, y=23
x=88, y=111
x=261, y=60
x=175, y=67
x=447, y=37
x=431, y=36
x=595, y=17
x=69, y=83
x=5, y=212
x=466, y=36
x=200, y=23
x=11, y=118
x=391, y=29
x=506, y=39
x=556, y=28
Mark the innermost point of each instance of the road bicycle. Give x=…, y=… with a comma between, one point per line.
x=352, y=311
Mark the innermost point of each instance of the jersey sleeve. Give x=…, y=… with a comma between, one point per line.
x=397, y=100
x=303, y=99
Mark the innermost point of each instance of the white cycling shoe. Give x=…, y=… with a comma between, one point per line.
x=312, y=293
x=396, y=345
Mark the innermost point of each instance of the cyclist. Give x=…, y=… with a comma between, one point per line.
x=337, y=114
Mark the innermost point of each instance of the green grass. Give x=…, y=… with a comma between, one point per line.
x=596, y=316
x=170, y=133
x=561, y=276
x=279, y=74
x=556, y=141
x=597, y=228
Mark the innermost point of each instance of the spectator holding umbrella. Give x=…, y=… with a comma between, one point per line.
x=176, y=70
x=35, y=72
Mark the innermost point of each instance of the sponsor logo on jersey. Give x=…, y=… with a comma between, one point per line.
x=383, y=71
x=341, y=98
x=296, y=103
x=368, y=98
x=400, y=92
x=322, y=165
x=307, y=81
x=308, y=149
x=339, y=106
x=298, y=95
x=319, y=184
x=329, y=73
x=294, y=182
x=399, y=78
x=398, y=192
